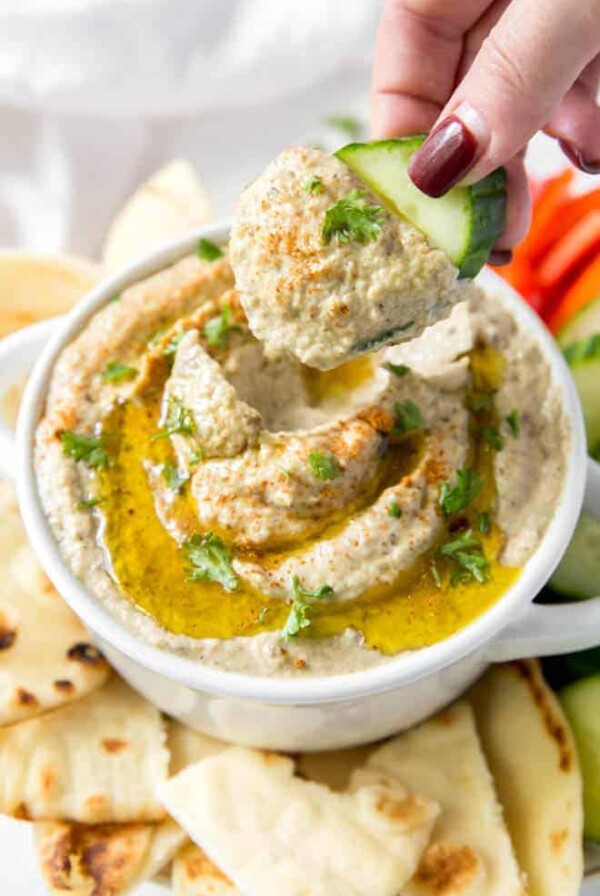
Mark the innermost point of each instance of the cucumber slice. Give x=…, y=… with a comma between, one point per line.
x=585, y=323
x=578, y=573
x=465, y=223
x=583, y=357
x=581, y=703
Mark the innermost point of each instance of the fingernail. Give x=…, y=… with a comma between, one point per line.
x=498, y=257
x=445, y=157
x=578, y=159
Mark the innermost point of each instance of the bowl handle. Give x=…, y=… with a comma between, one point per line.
x=18, y=354
x=546, y=629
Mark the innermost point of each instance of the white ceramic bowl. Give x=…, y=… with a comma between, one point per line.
x=324, y=712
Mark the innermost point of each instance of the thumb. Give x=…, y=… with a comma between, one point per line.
x=523, y=69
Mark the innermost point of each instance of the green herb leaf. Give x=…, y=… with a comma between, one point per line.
x=262, y=615
x=218, y=329
x=397, y=369
x=480, y=401
x=210, y=560
x=348, y=124
x=456, y=497
x=170, y=349
x=352, y=218
x=324, y=466
x=115, y=371
x=177, y=420
x=208, y=251
x=172, y=476
x=88, y=503
x=408, y=417
x=491, y=436
x=513, y=421
x=313, y=184
x=89, y=449
x=299, y=616
x=436, y=574
x=466, y=554
x=197, y=456
x=483, y=522
x=394, y=509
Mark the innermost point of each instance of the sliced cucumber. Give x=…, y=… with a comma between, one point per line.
x=581, y=702
x=578, y=573
x=465, y=223
x=583, y=358
x=583, y=324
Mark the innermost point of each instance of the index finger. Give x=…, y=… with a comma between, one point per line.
x=417, y=55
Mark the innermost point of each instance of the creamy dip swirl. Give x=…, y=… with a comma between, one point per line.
x=321, y=488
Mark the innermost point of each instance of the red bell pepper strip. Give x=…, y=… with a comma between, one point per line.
x=584, y=290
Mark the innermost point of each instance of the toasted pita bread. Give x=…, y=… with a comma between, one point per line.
x=170, y=203
x=271, y=832
x=187, y=746
x=97, y=760
x=532, y=755
x=46, y=658
x=471, y=853
x=35, y=286
x=195, y=875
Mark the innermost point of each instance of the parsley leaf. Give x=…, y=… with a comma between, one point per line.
x=174, y=479
x=436, y=574
x=218, y=329
x=313, y=184
x=208, y=251
x=397, y=369
x=89, y=449
x=88, y=503
x=262, y=615
x=513, y=421
x=466, y=554
x=456, y=497
x=177, y=420
x=352, y=218
x=210, y=560
x=115, y=371
x=324, y=466
x=348, y=124
x=299, y=617
x=480, y=401
x=491, y=436
x=408, y=417
x=394, y=509
x=483, y=522
x=170, y=349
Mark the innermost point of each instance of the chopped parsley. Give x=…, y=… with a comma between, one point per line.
x=483, y=522
x=397, y=369
x=218, y=329
x=394, y=509
x=88, y=503
x=492, y=437
x=313, y=184
x=348, y=124
x=173, y=477
x=456, y=497
x=408, y=417
x=89, y=449
x=155, y=339
x=324, y=466
x=197, y=456
x=436, y=574
x=172, y=345
x=466, y=555
x=177, y=420
x=513, y=421
x=209, y=559
x=115, y=298
x=352, y=218
x=480, y=401
x=114, y=372
x=299, y=617
x=208, y=251
x=262, y=615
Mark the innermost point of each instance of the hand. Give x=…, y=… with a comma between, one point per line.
x=483, y=76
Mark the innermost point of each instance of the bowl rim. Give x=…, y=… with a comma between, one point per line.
x=393, y=673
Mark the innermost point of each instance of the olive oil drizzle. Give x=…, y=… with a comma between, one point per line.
x=146, y=561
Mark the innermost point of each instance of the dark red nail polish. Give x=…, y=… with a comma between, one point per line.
x=444, y=158
x=576, y=156
x=498, y=257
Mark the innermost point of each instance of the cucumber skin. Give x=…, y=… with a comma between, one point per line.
x=578, y=573
x=487, y=200
x=581, y=703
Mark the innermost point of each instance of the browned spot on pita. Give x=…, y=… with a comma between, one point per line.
x=47, y=780
x=411, y=809
x=446, y=868
x=97, y=804
x=25, y=698
x=558, y=840
x=197, y=864
x=63, y=686
x=21, y=810
x=528, y=670
x=8, y=635
x=445, y=718
x=270, y=758
x=85, y=653
x=114, y=745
